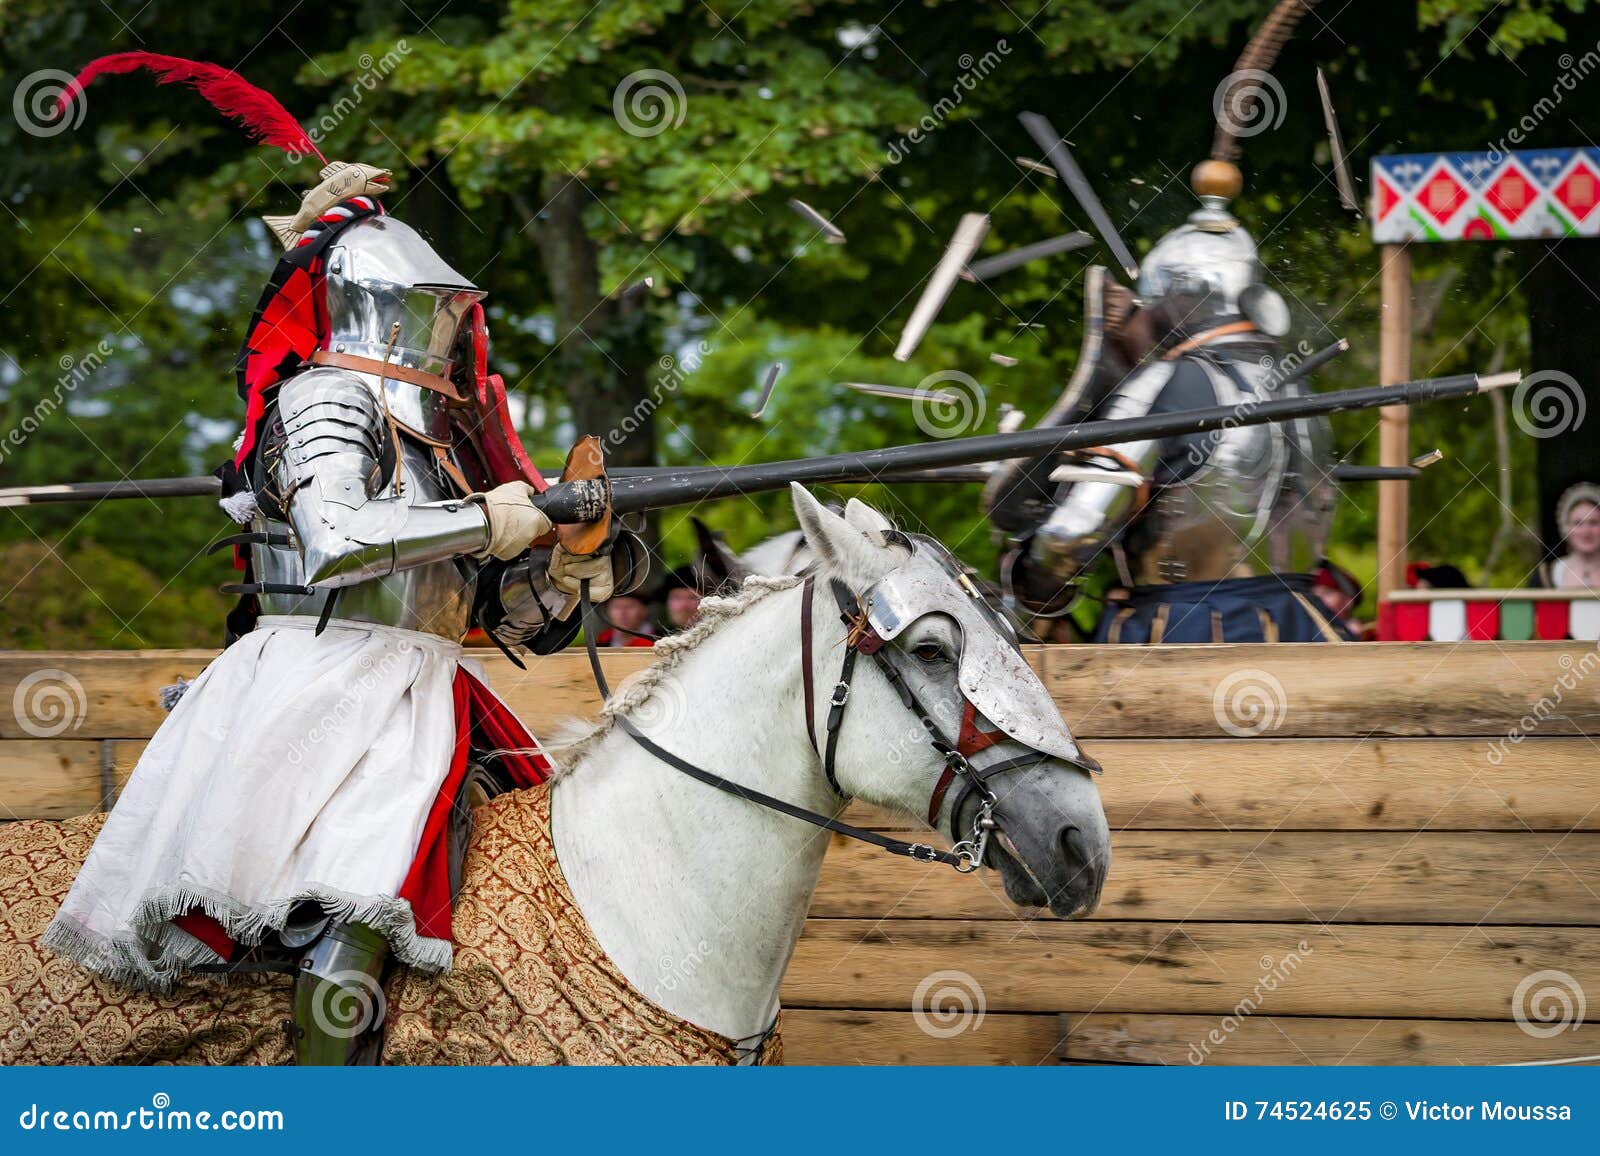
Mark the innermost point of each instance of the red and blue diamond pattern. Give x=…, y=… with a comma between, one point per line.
x=1486, y=196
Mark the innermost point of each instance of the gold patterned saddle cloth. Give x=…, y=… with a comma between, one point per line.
x=530, y=984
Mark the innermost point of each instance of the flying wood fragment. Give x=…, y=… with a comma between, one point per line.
x=904, y=393
x=1003, y=359
x=1038, y=251
x=830, y=232
x=1060, y=157
x=767, y=387
x=968, y=236
x=1341, y=165
x=637, y=289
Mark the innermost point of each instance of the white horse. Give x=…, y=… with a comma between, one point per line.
x=661, y=866
x=695, y=895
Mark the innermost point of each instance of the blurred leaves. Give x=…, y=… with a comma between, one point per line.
x=137, y=229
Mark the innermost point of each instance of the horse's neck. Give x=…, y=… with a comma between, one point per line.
x=698, y=896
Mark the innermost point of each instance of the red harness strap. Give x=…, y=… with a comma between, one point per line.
x=968, y=743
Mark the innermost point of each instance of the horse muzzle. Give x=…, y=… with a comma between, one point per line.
x=1051, y=843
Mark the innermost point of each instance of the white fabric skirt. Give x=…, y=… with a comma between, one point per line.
x=297, y=767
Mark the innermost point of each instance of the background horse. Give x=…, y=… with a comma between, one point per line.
x=626, y=913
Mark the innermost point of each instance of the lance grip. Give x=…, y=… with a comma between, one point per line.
x=576, y=503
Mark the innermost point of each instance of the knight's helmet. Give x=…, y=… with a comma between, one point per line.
x=392, y=299
x=1212, y=259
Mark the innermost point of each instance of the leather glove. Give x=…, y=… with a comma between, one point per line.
x=568, y=570
x=514, y=521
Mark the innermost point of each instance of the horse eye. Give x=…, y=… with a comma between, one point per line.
x=930, y=652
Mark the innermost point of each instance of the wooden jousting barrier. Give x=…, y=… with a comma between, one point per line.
x=1325, y=855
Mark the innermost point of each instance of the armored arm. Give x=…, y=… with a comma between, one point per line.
x=1090, y=515
x=334, y=478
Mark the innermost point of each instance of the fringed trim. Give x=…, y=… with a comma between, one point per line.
x=170, y=694
x=241, y=507
x=156, y=954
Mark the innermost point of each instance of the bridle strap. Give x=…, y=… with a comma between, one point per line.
x=863, y=639
x=836, y=705
x=807, y=593
x=922, y=852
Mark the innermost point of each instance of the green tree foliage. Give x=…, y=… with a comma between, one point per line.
x=559, y=152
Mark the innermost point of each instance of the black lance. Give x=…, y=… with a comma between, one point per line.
x=637, y=491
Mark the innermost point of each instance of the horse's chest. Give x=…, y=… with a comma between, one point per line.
x=530, y=984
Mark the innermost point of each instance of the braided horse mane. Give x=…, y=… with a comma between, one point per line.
x=1258, y=57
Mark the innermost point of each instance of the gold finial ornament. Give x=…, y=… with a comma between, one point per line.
x=1215, y=178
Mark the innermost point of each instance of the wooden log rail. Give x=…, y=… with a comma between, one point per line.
x=1369, y=854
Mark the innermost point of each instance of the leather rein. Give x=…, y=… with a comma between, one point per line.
x=967, y=854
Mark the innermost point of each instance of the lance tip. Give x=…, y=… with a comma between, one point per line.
x=1491, y=381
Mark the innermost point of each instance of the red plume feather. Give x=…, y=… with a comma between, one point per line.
x=231, y=94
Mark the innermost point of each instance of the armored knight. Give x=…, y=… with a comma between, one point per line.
x=296, y=803
x=1213, y=536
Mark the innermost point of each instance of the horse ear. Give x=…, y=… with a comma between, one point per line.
x=863, y=517
x=718, y=565
x=856, y=556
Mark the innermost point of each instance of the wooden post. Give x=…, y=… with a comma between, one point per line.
x=1394, y=421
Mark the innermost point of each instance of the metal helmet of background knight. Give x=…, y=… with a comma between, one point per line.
x=1212, y=256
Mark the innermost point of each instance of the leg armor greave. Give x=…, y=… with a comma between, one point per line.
x=338, y=996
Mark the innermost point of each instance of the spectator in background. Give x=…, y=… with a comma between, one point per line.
x=1436, y=576
x=1337, y=589
x=1578, y=519
x=680, y=599
x=630, y=623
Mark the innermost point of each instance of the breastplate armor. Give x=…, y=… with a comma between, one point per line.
x=1259, y=502
x=325, y=465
